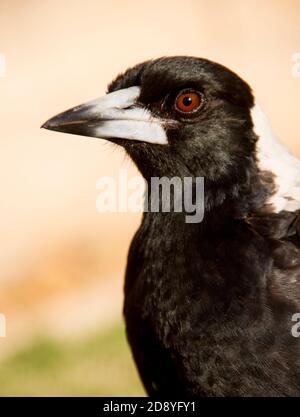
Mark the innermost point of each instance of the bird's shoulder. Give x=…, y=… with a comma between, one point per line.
x=282, y=230
x=282, y=225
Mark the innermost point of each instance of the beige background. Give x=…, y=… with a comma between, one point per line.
x=61, y=262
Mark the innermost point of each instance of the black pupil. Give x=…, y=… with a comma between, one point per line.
x=187, y=101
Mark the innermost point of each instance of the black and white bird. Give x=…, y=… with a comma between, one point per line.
x=209, y=306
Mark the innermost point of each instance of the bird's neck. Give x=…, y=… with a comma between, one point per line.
x=168, y=253
x=208, y=208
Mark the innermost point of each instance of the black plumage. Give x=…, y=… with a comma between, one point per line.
x=209, y=306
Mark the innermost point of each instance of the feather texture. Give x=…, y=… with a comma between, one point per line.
x=274, y=157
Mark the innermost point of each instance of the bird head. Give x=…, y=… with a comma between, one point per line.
x=176, y=116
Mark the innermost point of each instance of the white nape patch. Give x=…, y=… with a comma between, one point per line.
x=273, y=156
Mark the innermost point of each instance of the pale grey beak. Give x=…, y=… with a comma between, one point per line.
x=115, y=115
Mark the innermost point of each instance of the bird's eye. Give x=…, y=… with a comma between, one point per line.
x=188, y=101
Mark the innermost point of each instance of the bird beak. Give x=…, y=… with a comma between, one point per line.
x=116, y=115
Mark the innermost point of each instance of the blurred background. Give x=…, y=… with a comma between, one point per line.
x=61, y=262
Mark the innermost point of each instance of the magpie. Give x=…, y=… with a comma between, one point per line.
x=209, y=306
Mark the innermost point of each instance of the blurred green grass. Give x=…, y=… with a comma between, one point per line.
x=98, y=365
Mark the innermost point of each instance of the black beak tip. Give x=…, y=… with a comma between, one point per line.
x=63, y=123
x=51, y=124
x=45, y=125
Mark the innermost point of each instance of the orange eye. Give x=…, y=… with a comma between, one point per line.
x=188, y=102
